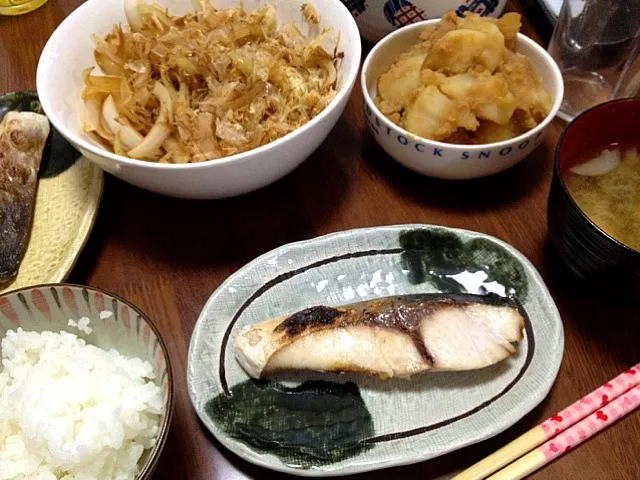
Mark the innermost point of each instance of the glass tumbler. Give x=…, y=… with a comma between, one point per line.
x=596, y=44
x=18, y=7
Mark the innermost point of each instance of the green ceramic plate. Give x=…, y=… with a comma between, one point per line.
x=322, y=425
x=69, y=191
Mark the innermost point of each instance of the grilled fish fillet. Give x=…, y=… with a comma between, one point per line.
x=389, y=337
x=22, y=139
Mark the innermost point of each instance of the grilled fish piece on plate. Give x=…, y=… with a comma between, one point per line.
x=388, y=337
x=22, y=139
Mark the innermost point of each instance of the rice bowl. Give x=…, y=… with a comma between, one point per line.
x=73, y=409
x=134, y=389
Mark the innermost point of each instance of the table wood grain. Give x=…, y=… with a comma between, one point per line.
x=168, y=256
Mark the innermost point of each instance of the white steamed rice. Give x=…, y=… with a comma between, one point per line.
x=73, y=411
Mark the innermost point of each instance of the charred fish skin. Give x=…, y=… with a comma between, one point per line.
x=393, y=312
x=22, y=140
x=388, y=337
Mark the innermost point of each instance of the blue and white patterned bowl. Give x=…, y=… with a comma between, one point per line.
x=377, y=18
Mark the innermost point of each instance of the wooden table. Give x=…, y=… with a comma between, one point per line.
x=167, y=256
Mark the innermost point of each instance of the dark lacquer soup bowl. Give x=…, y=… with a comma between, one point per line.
x=586, y=249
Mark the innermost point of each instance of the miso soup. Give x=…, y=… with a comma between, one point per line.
x=606, y=187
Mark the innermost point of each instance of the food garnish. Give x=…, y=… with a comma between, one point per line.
x=207, y=85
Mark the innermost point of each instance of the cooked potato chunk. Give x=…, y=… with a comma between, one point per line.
x=490, y=132
x=464, y=49
x=399, y=85
x=434, y=115
x=448, y=22
x=509, y=24
x=487, y=95
x=464, y=83
x=526, y=86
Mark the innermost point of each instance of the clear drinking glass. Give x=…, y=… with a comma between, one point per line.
x=596, y=43
x=18, y=7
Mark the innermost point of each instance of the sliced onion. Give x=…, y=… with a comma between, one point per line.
x=166, y=82
x=152, y=142
x=160, y=130
x=104, y=133
x=91, y=114
x=206, y=138
x=246, y=98
x=107, y=63
x=230, y=133
x=606, y=162
x=132, y=14
x=99, y=84
x=159, y=50
x=98, y=140
x=171, y=144
x=107, y=56
x=117, y=146
x=332, y=74
x=137, y=66
x=128, y=136
x=92, y=120
x=203, y=157
x=103, y=44
x=176, y=152
x=107, y=83
x=110, y=114
x=187, y=65
x=166, y=101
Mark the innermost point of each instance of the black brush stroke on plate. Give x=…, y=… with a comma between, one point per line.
x=58, y=154
x=314, y=424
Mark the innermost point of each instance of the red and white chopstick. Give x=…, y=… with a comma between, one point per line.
x=562, y=432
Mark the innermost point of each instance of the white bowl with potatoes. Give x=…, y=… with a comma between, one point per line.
x=210, y=107
x=465, y=115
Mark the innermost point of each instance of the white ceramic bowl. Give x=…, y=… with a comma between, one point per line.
x=127, y=330
x=70, y=50
x=444, y=160
x=377, y=18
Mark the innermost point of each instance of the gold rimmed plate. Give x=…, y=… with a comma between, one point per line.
x=69, y=192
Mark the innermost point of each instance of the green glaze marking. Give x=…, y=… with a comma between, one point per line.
x=314, y=424
x=435, y=255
